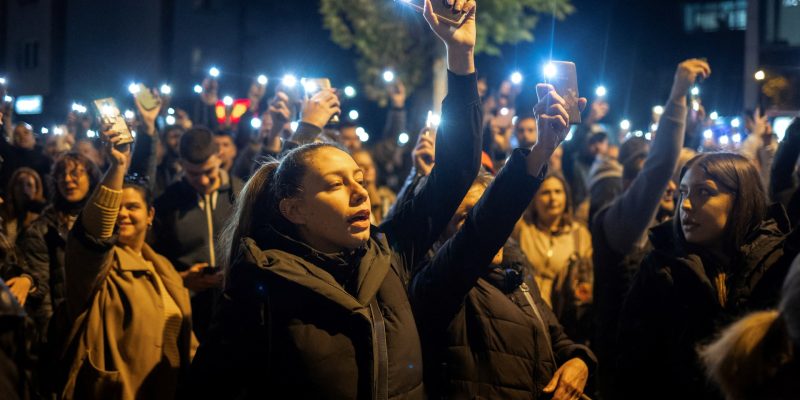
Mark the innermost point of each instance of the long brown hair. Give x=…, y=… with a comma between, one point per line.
x=14, y=207
x=531, y=215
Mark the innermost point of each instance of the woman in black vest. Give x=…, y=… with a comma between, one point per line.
x=486, y=331
x=724, y=254
x=315, y=302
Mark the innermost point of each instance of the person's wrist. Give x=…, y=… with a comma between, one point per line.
x=460, y=59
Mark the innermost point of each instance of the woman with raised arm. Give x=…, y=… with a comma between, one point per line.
x=486, y=331
x=131, y=334
x=723, y=255
x=315, y=302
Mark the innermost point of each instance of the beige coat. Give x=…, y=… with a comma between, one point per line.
x=117, y=307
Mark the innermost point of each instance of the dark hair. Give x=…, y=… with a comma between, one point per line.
x=258, y=203
x=221, y=132
x=12, y=206
x=197, y=145
x=632, y=166
x=597, y=137
x=633, y=147
x=59, y=167
x=530, y=215
x=738, y=176
x=141, y=184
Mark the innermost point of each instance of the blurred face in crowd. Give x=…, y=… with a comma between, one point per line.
x=134, y=217
x=526, y=132
x=57, y=145
x=349, y=139
x=204, y=178
x=705, y=208
x=460, y=217
x=599, y=147
x=365, y=162
x=332, y=212
x=87, y=149
x=172, y=138
x=73, y=182
x=667, y=203
x=23, y=137
x=227, y=150
x=550, y=201
x=25, y=187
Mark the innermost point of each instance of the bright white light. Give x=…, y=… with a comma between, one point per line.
x=289, y=80
x=550, y=71
x=133, y=133
x=737, y=138
x=45, y=131
x=107, y=110
x=91, y=134
x=360, y=131
x=170, y=111
x=724, y=140
x=708, y=134
x=736, y=122
x=658, y=110
x=213, y=72
x=714, y=115
x=648, y=136
x=353, y=114
x=625, y=124
x=433, y=119
x=78, y=108
x=760, y=75
x=780, y=126
x=350, y=91
x=58, y=131
x=695, y=105
x=262, y=80
x=170, y=120
x=310, y=86
x=2, y=81
x=601, y=91
x=166, y=89
x=514, y=120
x=294, y=125
x=653, y=127
x=388, y=76
x=133, y=88
x=255, y=123
x=403, y=138
x=504, y=111
x=129, y=114
x=198, y=89
x=516, y=78
x=638, y=133
x=695, y=91
x=8, y=99
x=227, y=100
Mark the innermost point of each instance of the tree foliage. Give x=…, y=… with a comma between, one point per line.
x=388, y=34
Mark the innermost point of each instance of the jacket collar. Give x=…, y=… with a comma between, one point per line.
x=128, y=261
x=297, y=262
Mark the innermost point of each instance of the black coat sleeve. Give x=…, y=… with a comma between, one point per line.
x=417, y=223
x=783, y=182
x=440, y=286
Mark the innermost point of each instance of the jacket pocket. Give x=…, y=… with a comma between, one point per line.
x=95, y=383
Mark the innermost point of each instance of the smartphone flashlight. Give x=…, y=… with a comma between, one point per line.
x=625, y=125
x=432, y=120
x=714, y=115
x=262, y=80
x=133, y=88
x=658, y=110
x=350, y=91
x=735, y=123
x=255, y=123
x=78, y=108
x=129, y=114
x=695, y=91
x=45, y=131
x=166, y=89
x=403, y=138
x=311, y=87
x=2, y=81
x=170, y=119
x=8, y=99
x=227, y=100
x=550, y=71
x=289, y=80
x=198, y=89
x=601, y=91
x=388, y=76
x=213, y=72
x=353, y=114
x=516, y=77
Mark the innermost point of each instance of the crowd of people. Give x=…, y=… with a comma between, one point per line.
x=523, y=256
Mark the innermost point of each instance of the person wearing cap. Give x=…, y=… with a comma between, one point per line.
x=190, y=214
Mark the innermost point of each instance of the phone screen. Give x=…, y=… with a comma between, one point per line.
x=109, y=113
x=146, y=98
x=312, y=86
x=565, y=81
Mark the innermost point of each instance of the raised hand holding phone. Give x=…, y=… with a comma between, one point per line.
x=685, y=77
x=552, y=120
x=460, y=40
x=149, y=114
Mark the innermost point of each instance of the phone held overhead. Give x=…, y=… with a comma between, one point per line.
x=564, y=77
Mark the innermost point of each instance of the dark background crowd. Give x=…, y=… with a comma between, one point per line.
x=279, y=235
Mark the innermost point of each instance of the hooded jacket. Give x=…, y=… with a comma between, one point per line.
x=673, y=307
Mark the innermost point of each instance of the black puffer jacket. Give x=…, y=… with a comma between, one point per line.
x=296, y=323
x=481, y=337
x=673, y=307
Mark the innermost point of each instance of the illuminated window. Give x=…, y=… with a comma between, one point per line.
x=714, y=17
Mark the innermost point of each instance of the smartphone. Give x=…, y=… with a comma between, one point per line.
x=146, y=98
x=295, y=95
x=441, y=9
x=109, y=114
x=565, y=82
x=312, y=86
